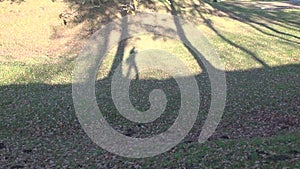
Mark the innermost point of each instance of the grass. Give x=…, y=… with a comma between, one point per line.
x=260, y=125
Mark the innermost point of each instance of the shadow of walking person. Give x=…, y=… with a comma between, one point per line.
x=132, y=64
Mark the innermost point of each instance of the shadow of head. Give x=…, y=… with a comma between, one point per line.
x=132, y=51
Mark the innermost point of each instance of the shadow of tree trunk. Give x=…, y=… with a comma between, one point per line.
x=252, y=54
x=121, y=47
x=237, y=14
x=196, y=54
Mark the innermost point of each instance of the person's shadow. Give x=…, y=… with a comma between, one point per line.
x=132, y=64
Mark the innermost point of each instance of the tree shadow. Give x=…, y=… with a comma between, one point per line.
x=204, y=79
x=261, y=102
x=175, y=10
x=99, y=15
x=256, y=18
x=96, y=17
x=93, y=16
x=41, y=117
x=252, y=54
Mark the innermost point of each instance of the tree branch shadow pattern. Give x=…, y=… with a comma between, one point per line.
x=258, y=19
x=109, y=11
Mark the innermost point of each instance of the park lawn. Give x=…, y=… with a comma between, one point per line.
x=260, y=126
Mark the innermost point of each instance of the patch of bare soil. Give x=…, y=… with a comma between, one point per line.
x=35, y=29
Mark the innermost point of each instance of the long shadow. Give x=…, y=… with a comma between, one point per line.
x=269, y=34
x=182, y=36
x=208, y=22
x=248, y=17
x=251, y=12
x=121, y=46
x=107, y=11
x=253, y=55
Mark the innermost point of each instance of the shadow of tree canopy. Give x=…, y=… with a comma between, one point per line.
x=98, y=14
x=41, y=117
